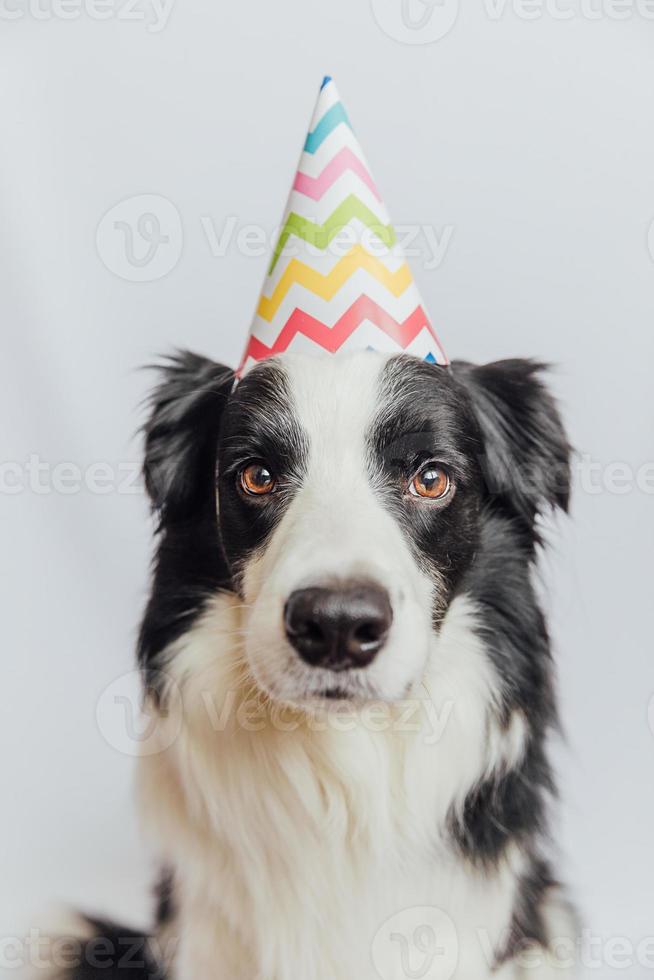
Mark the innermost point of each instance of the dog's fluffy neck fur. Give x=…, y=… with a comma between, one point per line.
x=324, y=833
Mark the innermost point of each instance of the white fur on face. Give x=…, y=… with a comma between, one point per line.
x=336, y=529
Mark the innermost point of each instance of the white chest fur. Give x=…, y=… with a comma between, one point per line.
x=316, y=849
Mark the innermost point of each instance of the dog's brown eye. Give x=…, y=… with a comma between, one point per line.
x=431, y=481
x=256, y=479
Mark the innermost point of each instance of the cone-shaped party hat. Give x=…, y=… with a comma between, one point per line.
x=338, y=279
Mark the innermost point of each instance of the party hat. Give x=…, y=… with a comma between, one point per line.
x=338, y=279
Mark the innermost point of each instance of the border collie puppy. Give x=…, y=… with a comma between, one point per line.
x=350, y=671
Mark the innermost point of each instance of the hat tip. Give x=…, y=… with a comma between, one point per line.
x=326, y=80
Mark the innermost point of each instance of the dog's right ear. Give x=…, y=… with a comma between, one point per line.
x=181, y=436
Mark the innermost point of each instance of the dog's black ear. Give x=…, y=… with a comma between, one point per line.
x=181, y=435
x=526, y=453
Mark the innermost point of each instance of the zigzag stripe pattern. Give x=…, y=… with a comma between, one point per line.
x=327, y=286
x=330, y=310
x=319, y=298
x=332, y=338
x=345, y=159
x=332, y=118
x=314, y=163
x=321, y=235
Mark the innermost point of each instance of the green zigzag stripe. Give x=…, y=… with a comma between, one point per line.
x=321, y=235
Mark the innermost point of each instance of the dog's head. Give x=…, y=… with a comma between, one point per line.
x=342, y=499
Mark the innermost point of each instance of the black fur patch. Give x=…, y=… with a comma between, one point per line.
x=511, y=622
x=165, y=898
x=181, y=436
x=260, y=424
x=425, y=417
x=179, y=469
x=114, y=953
x=526, y=459
x=506, y=808
x=201, y=430
x=528, y=925
x=526, y=470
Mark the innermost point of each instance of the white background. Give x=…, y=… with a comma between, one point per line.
x=531, y=139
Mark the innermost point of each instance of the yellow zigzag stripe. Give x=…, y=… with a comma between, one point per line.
x=327, y=286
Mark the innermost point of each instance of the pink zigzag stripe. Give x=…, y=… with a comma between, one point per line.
x=345, y=159
x=331, y=338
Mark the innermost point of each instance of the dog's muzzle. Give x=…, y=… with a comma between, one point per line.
x=338, y=628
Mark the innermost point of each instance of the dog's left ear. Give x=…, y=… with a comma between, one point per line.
x=181, y=436
x=526, y=453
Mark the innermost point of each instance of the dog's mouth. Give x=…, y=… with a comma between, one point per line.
x=336, y=694
x=308, y=693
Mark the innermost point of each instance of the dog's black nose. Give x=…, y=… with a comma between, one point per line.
x=338, y=628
